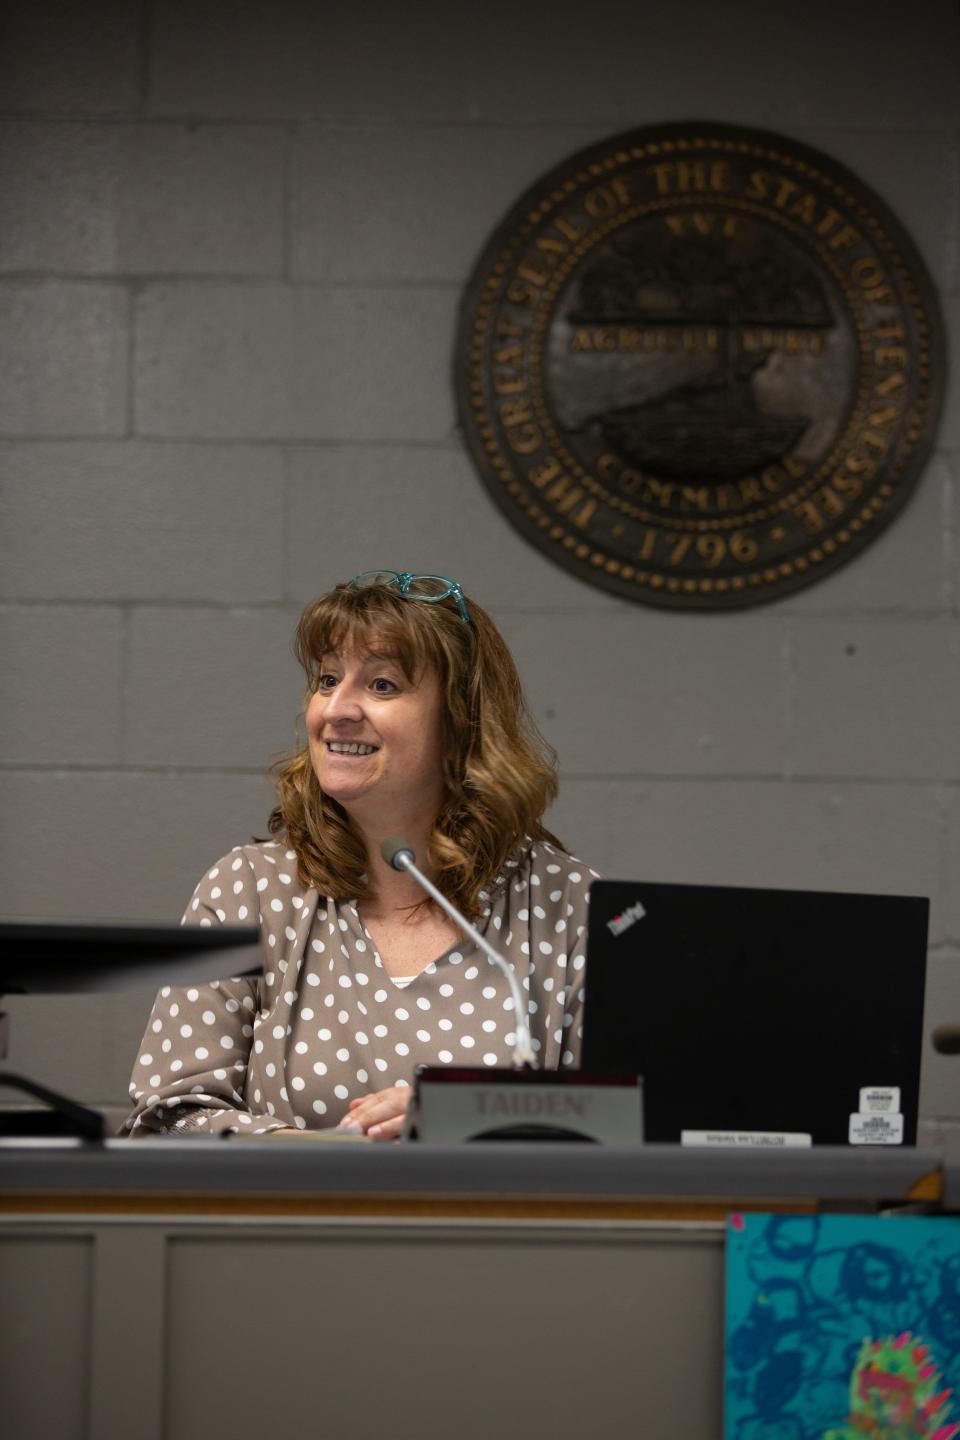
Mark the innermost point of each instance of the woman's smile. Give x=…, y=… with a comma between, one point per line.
x=354, y=749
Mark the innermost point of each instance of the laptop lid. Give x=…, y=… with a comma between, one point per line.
x=759, y=1012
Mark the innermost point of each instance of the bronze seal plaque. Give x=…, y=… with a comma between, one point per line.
x=700, y=366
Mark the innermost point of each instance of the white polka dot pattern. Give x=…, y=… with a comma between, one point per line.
x=250, y=1055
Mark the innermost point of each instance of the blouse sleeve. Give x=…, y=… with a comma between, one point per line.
x=190, y=1071
x=570, y=998
x=556, y=910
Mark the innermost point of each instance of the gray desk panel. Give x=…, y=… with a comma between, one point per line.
x=46, y=1290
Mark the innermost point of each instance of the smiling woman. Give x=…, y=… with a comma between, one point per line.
x=416, y=726
x=483, y=777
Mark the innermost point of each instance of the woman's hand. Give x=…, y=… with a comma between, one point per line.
x=379, y=1115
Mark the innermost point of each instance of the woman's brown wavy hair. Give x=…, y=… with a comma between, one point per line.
x=499, y=772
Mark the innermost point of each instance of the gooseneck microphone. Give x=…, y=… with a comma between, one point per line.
x=398, y=854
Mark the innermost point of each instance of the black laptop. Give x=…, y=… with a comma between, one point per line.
x=759, y=1017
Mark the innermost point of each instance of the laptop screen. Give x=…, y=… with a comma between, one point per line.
x=764, y=1016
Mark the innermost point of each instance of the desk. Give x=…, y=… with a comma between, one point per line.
x=179, y=1289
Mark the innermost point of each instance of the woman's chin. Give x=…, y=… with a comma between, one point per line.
x=347, y=788
x=341, y=790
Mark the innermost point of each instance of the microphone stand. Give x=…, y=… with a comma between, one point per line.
x=459, y=1103
x=398, y=854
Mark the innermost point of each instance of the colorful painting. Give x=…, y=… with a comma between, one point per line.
x=842, y=1327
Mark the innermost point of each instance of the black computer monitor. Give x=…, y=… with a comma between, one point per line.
x=54, y=957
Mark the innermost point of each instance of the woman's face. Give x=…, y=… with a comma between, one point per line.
x=376, y=738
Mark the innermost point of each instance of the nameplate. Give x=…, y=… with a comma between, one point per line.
x=456, y=1105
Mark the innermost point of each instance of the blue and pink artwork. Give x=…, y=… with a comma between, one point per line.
x=842, y=1327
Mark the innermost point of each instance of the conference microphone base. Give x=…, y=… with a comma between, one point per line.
x=451, y=1105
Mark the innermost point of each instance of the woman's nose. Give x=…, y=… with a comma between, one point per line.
x=343, y=703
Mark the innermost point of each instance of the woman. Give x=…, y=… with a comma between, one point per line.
x=416, y=726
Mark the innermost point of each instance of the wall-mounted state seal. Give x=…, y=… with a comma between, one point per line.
x=700, y=366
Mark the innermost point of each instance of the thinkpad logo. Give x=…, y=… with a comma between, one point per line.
x=626, y=918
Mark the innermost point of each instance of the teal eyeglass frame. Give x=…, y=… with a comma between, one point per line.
x=404, y=580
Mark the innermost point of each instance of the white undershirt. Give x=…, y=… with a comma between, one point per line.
x=403, y=980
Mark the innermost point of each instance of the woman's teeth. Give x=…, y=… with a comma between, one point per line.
x=353, y=748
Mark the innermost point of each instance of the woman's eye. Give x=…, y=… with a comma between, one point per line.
x=326, y=682
x=383, y=686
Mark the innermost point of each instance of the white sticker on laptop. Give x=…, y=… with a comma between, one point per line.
x=879, y=1099
x=747, y=1139
x=876, y=1129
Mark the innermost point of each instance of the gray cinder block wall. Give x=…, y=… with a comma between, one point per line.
x=233, y=238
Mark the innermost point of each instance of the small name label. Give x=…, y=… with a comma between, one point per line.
x=747, y=1139
x=876, y=1129
x=879, y=1099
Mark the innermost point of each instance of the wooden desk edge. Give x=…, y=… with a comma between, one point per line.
x=400, y=1206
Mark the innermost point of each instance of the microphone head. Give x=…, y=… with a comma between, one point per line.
x=395, y=851
x=946, y=1039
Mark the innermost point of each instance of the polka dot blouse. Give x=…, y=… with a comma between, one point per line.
x=325, y=1023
